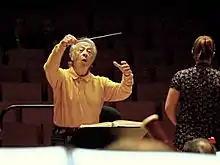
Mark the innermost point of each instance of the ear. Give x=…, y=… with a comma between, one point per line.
x=192, y=50
x=72, y=57
x=213, y=54
x=70, y=64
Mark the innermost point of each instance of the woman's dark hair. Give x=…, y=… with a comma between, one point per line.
x=203, y=48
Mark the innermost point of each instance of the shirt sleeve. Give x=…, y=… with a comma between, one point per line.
x=117, y=91
x=51, y=67
x=176, y=81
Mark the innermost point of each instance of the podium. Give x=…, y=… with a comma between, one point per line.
x=108, y=133
x=97, y=135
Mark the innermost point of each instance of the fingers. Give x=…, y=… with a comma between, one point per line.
x=68, y=40
x=117, y=64
x=71, y=39
x=124, y=67
x=126, y=70
x=123, y=62
x=127, y=73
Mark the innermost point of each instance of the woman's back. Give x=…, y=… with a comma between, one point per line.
x=197, y=89
x=199, y=100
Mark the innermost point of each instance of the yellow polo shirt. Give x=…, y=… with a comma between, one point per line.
x=79, y=100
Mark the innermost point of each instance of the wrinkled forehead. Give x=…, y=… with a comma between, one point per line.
x=83, y=44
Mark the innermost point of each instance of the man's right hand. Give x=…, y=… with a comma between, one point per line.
x=68, y=40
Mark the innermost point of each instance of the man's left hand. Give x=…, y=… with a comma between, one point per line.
x=124, y=68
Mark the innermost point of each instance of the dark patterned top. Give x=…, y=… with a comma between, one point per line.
x=199, y=88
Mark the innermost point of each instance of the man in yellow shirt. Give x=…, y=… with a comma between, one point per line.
x=78, y=94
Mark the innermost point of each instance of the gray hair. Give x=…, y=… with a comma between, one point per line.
x=87, y=40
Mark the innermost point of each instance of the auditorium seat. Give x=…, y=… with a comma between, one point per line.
x=35, y=57
x=20, y=58
x=165, y=73
x=36, y=75
x=10, y=116
x=18, y=134
x=21, y=92
x=17, y=59
x=142, y=65
x=146, y=60
x=10, y=74
x=37, y=115
x=152, y=91
x=47, y=131
x=41, y=117
x=1, y=56
x=142, y=57
x=49, y=93
x=143, y=74
x=29, y=115
x=136, y=111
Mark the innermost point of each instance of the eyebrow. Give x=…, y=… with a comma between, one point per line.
x=87, y=47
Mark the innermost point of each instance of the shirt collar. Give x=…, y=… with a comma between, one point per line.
x=75, y=76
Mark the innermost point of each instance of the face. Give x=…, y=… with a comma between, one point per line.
x=84, y=53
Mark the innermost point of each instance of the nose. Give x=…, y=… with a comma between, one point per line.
x=85, y=55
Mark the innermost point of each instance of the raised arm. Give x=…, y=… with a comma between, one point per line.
x=119, y=91
x=51, y=67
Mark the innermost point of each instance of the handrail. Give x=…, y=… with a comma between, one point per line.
x=21, y=106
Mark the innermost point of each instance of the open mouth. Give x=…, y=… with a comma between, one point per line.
x=84, y=60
